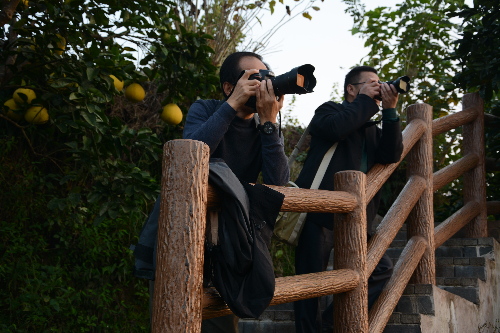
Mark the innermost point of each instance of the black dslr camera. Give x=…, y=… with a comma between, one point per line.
x=402, y=85
x=299, y=80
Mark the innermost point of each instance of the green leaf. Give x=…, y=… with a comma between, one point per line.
x=307, y=16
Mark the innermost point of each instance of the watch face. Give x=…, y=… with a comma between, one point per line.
x=268, y=127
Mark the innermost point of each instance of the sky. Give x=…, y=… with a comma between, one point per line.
x=324, y=42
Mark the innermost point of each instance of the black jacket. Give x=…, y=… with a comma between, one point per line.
x=350, y=125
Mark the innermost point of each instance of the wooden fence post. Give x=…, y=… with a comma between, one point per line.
x=350, y=244
x=475, y=179
x=421, y=219
x=181, y=230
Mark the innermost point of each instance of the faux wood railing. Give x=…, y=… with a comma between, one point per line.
x=180, y=302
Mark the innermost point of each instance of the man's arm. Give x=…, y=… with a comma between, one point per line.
x=207, y=123
x=334, y=122
x=390, y=146
x=275, y=169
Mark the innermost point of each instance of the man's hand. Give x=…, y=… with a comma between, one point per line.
x=370, y=88
x=267, y=105
x=389, y=96
x=243, y=90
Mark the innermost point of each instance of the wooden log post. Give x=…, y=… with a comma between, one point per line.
x=350, y=243
x=177, y=299
x=475, y=179
x=421, y=219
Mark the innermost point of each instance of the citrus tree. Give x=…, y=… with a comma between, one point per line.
x=89, y=91
x=78, y=169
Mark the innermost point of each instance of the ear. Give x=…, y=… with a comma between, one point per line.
x=227, y=87
x=350, y=89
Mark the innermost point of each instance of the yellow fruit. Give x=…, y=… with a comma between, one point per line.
x=13, y=107
x=30, y=95
x=36, y=115
x=116, y=81
x=171, y=114
x=135, y=93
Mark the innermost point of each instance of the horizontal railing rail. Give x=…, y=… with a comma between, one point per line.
x=291, y=289
x=303, y=200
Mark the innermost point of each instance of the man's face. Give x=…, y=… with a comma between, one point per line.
x=365, y=77
x=245, y=63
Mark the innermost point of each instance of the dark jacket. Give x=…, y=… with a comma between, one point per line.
x=361, y=145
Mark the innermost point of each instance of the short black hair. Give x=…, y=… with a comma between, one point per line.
x=230, y=69
x=354, y=76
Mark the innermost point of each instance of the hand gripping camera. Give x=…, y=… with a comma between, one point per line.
x=402, y=85
x=300, y=80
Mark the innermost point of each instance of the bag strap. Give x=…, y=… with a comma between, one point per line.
x=323, y=166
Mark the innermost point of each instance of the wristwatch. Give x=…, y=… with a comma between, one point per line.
x=267, y=128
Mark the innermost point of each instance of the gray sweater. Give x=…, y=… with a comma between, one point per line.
x=238, y=142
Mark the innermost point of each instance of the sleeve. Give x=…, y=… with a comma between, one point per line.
x=334, y=122
x=208, y=122
x=390, y=146
x=275, y=169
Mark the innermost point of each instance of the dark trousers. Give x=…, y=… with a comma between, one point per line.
x=224, y=324
x=311, y=256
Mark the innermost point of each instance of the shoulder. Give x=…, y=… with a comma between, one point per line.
x=205, y=104
x=328, y=108
x=203, y=108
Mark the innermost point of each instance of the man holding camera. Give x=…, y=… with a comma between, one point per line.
x=361, y=144
x=248, y=144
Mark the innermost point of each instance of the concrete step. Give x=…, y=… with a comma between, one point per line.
x=276, y=319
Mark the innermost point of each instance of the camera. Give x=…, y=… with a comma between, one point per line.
x=299, y=80
x=402, y=85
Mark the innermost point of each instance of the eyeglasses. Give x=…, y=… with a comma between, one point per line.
x=355, y=84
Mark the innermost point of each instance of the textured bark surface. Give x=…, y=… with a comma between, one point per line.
x=493, y=207
x=389, y=298
x=454, y=170
x=351, y=308
x=181, y=230
x=292, y=288
x=304, y=200
x=421, y=218
x=475, y=179
x=446, y=123
x=455, y=222
x=393, y=220
x=379, y=173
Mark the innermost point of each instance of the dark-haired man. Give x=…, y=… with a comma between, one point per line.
x=361, y=144
x=248, y=144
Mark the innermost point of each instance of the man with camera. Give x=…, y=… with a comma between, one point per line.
x=361, y=144
x=248, y=144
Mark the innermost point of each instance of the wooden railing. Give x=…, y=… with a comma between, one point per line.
x=180, y=302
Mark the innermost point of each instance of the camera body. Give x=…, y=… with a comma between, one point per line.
x=299, y=80
x=402, y=85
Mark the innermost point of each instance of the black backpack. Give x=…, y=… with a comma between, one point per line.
x=240, y=266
